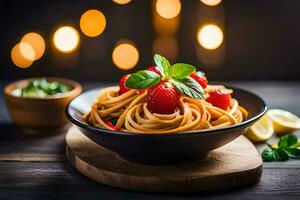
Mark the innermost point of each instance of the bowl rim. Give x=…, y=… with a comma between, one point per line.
x=78, y=123
x=76, y=88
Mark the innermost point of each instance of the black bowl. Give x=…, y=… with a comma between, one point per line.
x=164, y=148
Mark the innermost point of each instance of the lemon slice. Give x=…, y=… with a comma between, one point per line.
x=261, y=130
x=283, y=121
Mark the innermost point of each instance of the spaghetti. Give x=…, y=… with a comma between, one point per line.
x=132, y=115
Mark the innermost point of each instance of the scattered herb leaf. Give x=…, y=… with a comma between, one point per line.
x=287, y=141
x=287, y=146
x=268, y=155
x=293, y=151
x=281, y=155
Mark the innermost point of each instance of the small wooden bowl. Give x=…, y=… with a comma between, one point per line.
x=40, y=115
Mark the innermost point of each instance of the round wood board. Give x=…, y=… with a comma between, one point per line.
x=233, y=165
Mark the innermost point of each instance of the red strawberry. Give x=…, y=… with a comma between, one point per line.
x=154, y=69
x=122, y=86
x=200, y=78
x=219, y=99
x=162, y=98
x=111, y=125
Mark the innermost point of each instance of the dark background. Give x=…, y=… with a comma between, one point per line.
x=261, y=38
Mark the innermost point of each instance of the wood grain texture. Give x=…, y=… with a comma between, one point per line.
x=16, y=146
x=233, y=165
x=57, y=180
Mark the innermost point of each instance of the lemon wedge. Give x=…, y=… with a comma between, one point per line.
x=261, y=130
x=283, y=121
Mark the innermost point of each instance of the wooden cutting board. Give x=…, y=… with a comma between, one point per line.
x=233, y=165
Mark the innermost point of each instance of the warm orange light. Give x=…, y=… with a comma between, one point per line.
x=92, y=23
x=210, y=36
x=165, y=26
x=125, y=56
x=18, y=59
x=168, y=8
x=211, y=2
x=121, y=2
x=27, y=51
x=167, y=46
x=37, y=42
x=66, y=39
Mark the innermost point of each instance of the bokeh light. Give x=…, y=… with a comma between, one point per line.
x=37, y=43
x=18, y=59
x=168, y=8
x=92, y=23
x=66, y=39
x=210, y=36
x=211, y=2
x=164, y=26
x=121, y=2
x=27, y=51
x=166, y=46
x=125, y=55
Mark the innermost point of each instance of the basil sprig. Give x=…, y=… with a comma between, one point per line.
x=287, y=146
x=177, y=74
x=142, y=79
x=189, y=87
x=181, y=70
x=163, y=65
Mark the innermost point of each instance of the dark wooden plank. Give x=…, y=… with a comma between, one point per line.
x=17, y=146
x=31, y=180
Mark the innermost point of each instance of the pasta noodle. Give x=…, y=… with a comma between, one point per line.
x=130, y=110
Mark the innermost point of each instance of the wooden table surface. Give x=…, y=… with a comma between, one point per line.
x=36, y=168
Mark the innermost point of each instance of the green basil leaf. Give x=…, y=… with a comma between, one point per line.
x=281, y=155
x=287, y=146
x=287, y=141
x=142, y=79
x=188, y=87
x=295, y=145
x=162, y=64
x=293, y=151
x=181, y=70
x=268, y=155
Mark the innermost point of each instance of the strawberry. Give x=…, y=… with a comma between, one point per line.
x=111, y=125
x=154, y=69
x=163, y=98
x=200, y=78
x=219, y=99
x=122, y=86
